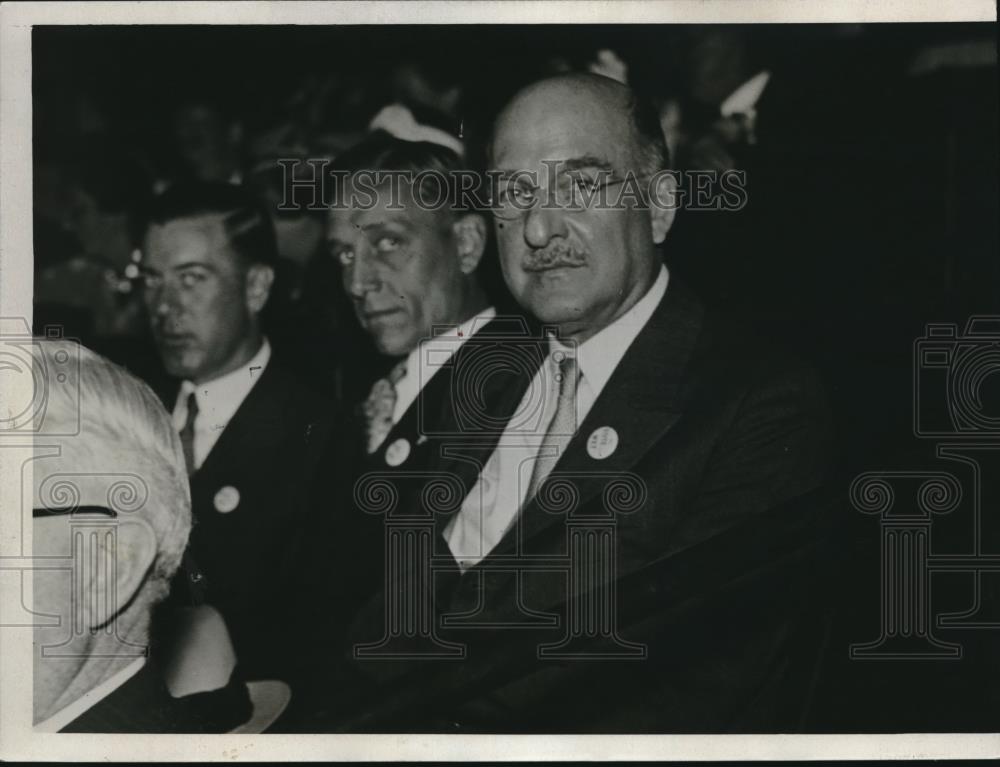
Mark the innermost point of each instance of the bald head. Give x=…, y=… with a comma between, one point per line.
x=579, y=266
x=578, y=89
x=587, y=102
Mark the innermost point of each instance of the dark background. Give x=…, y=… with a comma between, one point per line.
x=872, y=212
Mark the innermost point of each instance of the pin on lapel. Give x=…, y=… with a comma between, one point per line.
x=602, y=442
x=227, y=499
x=397, y=452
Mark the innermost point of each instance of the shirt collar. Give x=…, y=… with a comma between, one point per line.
x=432, y=353
x=89, y=699
x=437, y=350
x=599, y=355
x=223, y=396
x=744, y=99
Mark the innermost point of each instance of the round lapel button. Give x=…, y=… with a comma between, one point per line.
x=397, y=452
x=602, y=442
x=227, y=499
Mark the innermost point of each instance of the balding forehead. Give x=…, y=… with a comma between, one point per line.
x=565, y=116
x=580, y=86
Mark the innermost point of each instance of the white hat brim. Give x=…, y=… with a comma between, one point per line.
x=270, y=698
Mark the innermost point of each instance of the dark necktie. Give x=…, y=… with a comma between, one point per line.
x=187, y=433
x=193, y=577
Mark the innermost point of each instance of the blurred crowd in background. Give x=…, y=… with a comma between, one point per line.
x=871, y=171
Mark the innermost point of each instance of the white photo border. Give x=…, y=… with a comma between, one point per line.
x=18, y=742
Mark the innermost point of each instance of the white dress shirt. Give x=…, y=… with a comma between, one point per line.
x=218, y=400
x=494, y=503
x=430, y=355
x=89, y=699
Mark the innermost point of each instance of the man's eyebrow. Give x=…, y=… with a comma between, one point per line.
x=192, y=265
x=586, y=161
x=572, y=164
x=382, y=224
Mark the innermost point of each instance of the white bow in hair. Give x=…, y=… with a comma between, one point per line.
x=398, y=121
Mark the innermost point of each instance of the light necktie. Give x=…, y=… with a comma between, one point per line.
x=379, y=406
x=561, y=427
x=187, y=433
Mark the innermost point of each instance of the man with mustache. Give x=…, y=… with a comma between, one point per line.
x=635, y=561
x=246, y=424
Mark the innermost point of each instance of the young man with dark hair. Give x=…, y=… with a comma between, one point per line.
x=246, y=424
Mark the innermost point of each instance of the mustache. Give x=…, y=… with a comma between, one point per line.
x=168, y=326
x=553, y=256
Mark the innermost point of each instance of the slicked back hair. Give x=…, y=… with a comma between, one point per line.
x=381, y=151
x=245, y=220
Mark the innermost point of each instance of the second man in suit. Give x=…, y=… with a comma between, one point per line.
x=247, y=425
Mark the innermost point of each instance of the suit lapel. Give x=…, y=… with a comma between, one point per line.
x=453, y=426
x=249, y=424
x=641, y=402
x=488, y=381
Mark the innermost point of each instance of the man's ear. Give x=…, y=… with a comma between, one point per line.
x=663, y=205
x=260, y=278
x=123, y=560
x=470, y=236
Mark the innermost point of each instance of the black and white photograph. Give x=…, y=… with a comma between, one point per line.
x=530, y=370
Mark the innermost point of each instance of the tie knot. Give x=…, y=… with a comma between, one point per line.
x=397, y=373
x=192, y=406
x=567, y=373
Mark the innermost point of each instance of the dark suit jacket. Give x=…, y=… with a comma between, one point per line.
x=144, y=705
x=712, y=497
x=265, y=453
x=456, y=407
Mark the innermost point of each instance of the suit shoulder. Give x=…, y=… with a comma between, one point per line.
x=297, y=391
x=762, y=387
